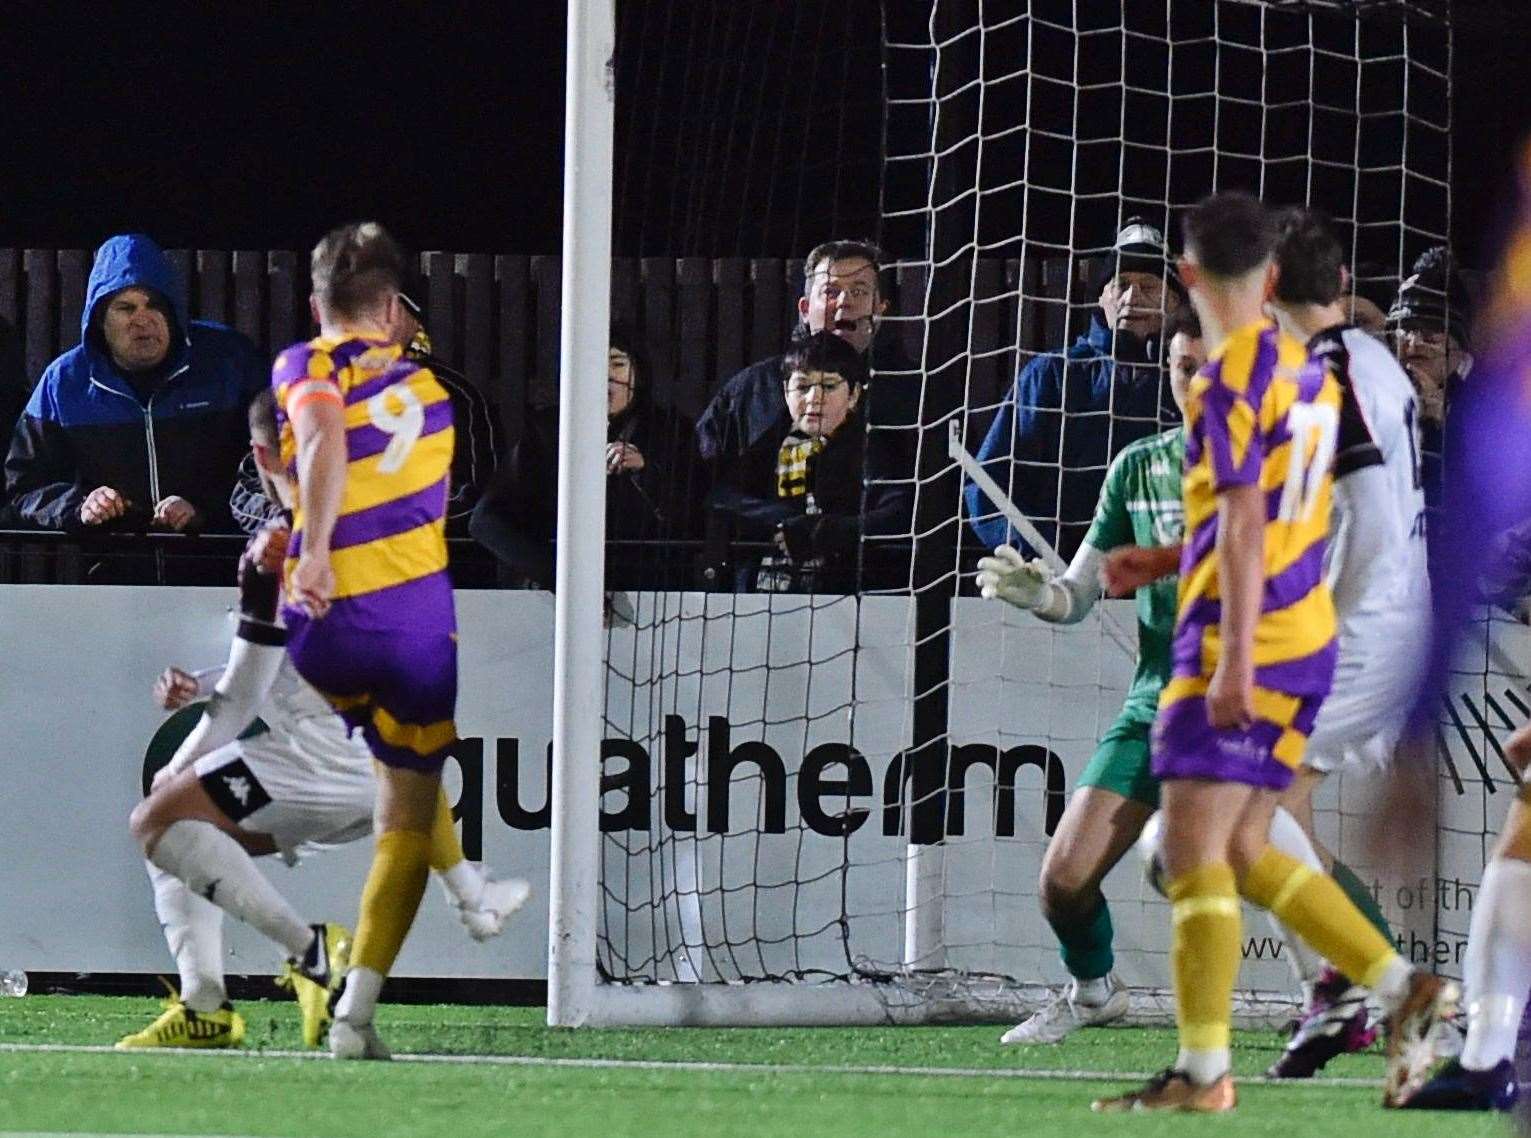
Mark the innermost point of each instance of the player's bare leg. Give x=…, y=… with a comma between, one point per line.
x=1096, y=830
x=406, y=813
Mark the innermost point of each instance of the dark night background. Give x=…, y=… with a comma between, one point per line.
x=745, y=127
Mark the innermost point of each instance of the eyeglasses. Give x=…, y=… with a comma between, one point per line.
x=803, y=390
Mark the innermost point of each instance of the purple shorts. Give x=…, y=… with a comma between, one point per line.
x=1266, y=754
x=399, y=687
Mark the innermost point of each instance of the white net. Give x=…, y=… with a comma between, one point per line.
x=863, y=787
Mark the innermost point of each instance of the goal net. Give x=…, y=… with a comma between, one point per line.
x=821, y=808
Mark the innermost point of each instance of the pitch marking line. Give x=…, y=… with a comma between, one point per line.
x=675, y=1065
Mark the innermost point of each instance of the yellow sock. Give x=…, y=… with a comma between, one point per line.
x=446, y=850
x=1204, y=954
x=395, y=884
x=1313, y=906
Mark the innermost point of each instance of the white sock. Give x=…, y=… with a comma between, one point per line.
x=217, y=867
x=1498, y=967
x=1394, y=984
x=194, y=931
x=359, y=1000
x=1288, y=836
x=1091, y=993
x=465, y=882
x=1203, y=1067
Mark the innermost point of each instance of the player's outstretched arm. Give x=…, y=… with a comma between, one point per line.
x=242, y=687
x=1064, y=599
x=1128, y=568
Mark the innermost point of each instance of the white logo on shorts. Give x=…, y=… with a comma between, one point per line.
x=239, y=787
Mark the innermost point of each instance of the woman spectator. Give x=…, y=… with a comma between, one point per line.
x=651, y=486
x=801, y=486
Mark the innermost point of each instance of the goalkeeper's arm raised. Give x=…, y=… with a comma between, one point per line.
x=1062, y=599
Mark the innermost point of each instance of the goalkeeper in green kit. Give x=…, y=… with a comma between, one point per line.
x=1140, y=505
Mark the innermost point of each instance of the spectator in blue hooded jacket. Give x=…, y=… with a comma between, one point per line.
x=142, y=424
x=1069, y=415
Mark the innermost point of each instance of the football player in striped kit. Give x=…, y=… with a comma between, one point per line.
x=1253, y=658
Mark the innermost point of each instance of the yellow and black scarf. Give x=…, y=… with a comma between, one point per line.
x=797, y=451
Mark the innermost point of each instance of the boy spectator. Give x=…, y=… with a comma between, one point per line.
x=143, y=422
x=1070, y=414
x=809, y=484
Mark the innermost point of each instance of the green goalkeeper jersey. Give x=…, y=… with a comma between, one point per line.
x=1140, y=504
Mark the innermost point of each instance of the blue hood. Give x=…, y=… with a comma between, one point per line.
x=134, y=260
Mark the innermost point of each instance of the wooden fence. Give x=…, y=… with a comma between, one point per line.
x=496, y=316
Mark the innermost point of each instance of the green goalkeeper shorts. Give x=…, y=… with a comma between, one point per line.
x=1121, y=761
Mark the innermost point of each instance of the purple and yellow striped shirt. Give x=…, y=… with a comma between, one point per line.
x=391, y=530
x=1260, y=413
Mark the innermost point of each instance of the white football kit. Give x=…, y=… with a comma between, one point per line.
x=1377, y=568
x=304, y=780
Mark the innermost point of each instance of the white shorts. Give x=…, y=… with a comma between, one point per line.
x=299, y=793
x=1361, y=721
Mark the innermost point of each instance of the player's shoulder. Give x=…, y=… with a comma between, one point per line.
x=311, y=359
x=1151, y=448
x=1246, y=360
x=1372, y=367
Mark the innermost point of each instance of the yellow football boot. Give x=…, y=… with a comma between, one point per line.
x=314, y=979
x=179, y=1026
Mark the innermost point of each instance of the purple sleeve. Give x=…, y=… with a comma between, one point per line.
x=1229, y=432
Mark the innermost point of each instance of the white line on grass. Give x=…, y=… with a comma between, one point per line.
x=676, y=1065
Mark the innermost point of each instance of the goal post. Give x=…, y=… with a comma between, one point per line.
x=579, y=644
x=777, y=809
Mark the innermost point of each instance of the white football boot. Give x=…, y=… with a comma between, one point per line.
x=1061, y=1016
x=356, y=1041
x=501, y=897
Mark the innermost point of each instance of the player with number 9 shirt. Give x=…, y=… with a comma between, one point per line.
x=368, y=434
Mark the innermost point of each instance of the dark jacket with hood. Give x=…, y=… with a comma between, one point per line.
x=85, y=425
x=1067, y=418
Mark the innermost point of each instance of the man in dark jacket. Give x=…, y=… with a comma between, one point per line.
x=842, y=294
x=1069, y=415
x=143, y=422
x=810, y=484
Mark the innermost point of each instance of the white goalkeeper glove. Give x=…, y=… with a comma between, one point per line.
x=1010, y=577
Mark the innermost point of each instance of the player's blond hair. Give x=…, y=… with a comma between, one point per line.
x=355, y=267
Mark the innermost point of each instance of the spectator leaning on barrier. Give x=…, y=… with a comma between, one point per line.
x=1431, y=320
x=143, y=422
x=653, y=492
x=1069, y=415
x=809, y=484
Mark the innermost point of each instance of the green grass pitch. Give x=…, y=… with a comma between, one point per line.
x=500, y=1071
